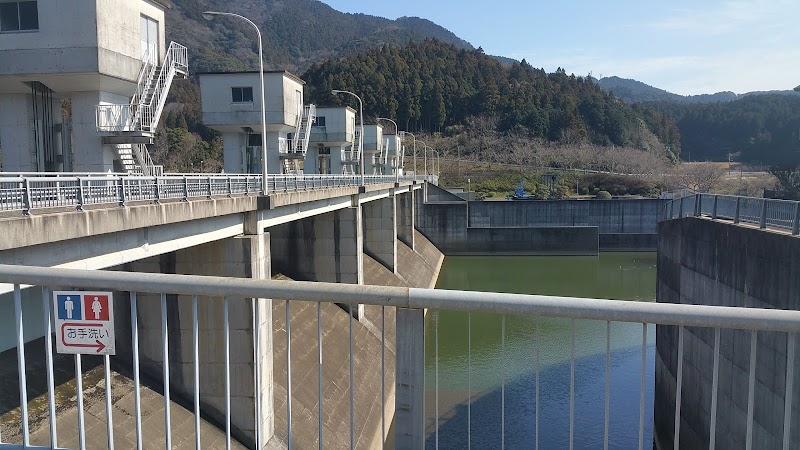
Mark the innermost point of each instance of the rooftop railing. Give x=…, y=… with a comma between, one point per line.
x=409, y=306
x=766, y=213
x=26, y=192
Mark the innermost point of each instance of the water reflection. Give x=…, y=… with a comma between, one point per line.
x=627, y=276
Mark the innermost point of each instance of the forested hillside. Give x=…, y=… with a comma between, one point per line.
x=434, y=86
x=296, y=33
x=756, y=128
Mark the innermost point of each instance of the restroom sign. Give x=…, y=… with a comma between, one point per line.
x=84, y=322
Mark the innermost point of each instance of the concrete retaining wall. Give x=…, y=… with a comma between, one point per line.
x=540, y=227
x=713, y=263
x=445, y=224
x=610, y=216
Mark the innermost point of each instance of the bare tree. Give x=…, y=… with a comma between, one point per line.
x=699, y=177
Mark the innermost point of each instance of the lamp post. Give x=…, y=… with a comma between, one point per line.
x=360, y=141
x=209, y=15
x=425, y=146
x=397, y=161
x=415, y=152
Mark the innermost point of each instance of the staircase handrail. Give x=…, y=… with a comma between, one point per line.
x=176, y=60
x=303, y=136
x=143, y=81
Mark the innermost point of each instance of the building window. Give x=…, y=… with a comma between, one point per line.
x=19, y=16
x=319, y=121
x=254, y=140
x=241, y=94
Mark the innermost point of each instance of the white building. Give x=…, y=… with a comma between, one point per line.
x=330, y=149
x=232, y=105
x=395, y=151
x=374, y=150
x=76, y=91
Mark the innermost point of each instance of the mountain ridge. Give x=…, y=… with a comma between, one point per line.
x=635, y=91
x=295, y=33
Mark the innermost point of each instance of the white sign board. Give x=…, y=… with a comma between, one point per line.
x=84, y=322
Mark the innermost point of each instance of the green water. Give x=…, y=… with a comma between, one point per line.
x=486, y=369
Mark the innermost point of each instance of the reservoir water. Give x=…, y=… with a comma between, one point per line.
x=504, y=370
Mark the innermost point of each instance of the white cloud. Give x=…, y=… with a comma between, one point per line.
x=727, y=17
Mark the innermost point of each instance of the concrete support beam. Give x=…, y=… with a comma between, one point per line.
x=409, y=418
x=380, y=231
x=242, y=256
x=405, y=218
x=327, y=247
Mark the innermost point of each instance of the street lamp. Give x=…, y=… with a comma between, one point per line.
x=415, y=151
x=360, y=141
x=425, y=146
x=397, y=161
x=209, y=15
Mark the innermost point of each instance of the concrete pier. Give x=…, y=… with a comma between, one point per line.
x=380, y=231
x=405, y=218
x=243, y=256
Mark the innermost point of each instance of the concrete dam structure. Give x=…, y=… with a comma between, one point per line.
x=557, y=227
x=707, y=262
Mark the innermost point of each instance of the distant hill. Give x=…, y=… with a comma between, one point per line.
x=434, y=86
x=632, y=91
x=761, y=128
x=296, y=33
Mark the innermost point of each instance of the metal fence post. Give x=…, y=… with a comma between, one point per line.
x=158, y=191
x=81, y=199
x=763, y=223
x=796, y=224
x=698, y=209
x=230, y=188
x=209, y=187
x=738, y=207
x=27, y=204
x=410, y=379
x=122, y=191
x=185, y=189
x=680, y=209
x=246, y=185
x=714, y=209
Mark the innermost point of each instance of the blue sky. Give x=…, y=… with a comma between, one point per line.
x=686, y=47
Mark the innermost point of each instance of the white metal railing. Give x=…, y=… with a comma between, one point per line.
x=409, y=305
x=176, y=61
x=115, y=117
x=24, y=192
x=303, y=133
x=144, y=110
x=772, y=213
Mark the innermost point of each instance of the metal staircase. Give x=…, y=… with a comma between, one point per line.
x=132, y=126
x=298, y=145
x=351, y=156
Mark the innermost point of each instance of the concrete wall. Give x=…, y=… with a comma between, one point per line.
x=445, y=224
x=712, y=263
x=380, y=231
x=118, y=36
x=415, y=269
x=223, y=115
x=79, y=37
x=622, y=225
x=610, y=216
x=245, y=257
x=326, y=247
x=16, y=134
